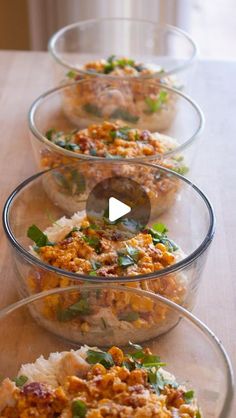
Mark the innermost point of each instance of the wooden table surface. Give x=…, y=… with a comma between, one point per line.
x=25, y=75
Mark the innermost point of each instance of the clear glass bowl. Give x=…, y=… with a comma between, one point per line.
x=179, y=119
x=168, y=50
x=176, y=202
x=192, y=352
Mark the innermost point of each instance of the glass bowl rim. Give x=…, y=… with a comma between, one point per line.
x=191, y=318
x=161, y=26
x=35, y=106
x=179, y=266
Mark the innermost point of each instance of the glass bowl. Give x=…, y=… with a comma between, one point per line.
x=176, y=124
x=191, y=351
x=174, y=201
x=152, y=50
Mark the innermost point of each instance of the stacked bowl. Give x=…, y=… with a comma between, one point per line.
x=118, y=125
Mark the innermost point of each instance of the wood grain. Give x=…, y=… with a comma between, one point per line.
x=23, y=76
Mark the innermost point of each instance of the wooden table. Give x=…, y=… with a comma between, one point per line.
x=24, y=75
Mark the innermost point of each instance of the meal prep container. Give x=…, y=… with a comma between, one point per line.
x=176, y=202
x=76, y=106
x=191, y=351
x=162, y=46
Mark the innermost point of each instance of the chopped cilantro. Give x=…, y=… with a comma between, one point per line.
x=78, y=182
x=92, y=109
x=94, y=357
x=120, y=113
x=111, y=58
x=67, y=145
x=38, y=236
x=133, y=252
x=125, y=261
x=121, y=133
x=93, y=273
x=129, y=316
x=182, y=170
x=188, y=396
x=158, y=233
x=93, y=242
x=20, y=380
x=72, y=181
x=122, y=62
x=74, y=229
x=156, y=104
x=79, y=308
x=49, y=134
x=71, y=74
x=159, y=227
x=95, y=264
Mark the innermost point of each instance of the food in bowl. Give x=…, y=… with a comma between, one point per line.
x=136, y=102
x=93, y=249
x=90, y=383
x=115, y=140
x=122, y=67
x=69, y=186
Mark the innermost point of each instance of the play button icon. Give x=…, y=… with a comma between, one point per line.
x=117, y=209
x=120, y=205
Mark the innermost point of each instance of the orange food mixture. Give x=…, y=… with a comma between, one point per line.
x=120, y=389
x=100, y=244
x=89, y=251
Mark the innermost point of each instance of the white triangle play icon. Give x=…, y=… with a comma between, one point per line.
x=117, y=209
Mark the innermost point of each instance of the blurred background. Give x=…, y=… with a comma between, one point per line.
x=28, y=24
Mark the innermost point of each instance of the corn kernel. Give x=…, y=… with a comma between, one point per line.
x=85, y=327
x=141, y=304
x=117, y=355
x=161, y=247
x=140, y=323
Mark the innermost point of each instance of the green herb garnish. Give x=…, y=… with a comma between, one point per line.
x=79, y=409
x=93, y=273
x=125, y=261
x=120, y=113
x=156, y=104
x=93, y=242
x=133, y=252
x=67, y=145
x=129, y=316
x=79, y=308
x=49, y=134
x=92, y=109
x=20, y=380
x=72, y=181
x=198, y=415
x=182, y=170
x=159, y=227
x=95, y=264
x=121, y=133
x=71, y=74
x=158, y=233
x=158, y=382
x=122, y=62
x=74, y=229
x=38, y=236
x=101, y=357
x=188, y=396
